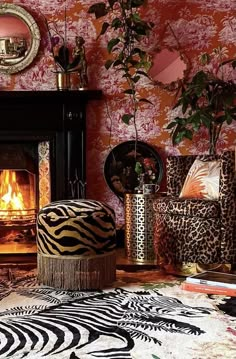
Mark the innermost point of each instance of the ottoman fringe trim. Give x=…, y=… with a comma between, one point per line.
x=61, y=256
x=75, y=272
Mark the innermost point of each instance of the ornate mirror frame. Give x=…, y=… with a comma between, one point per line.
x=170, y=68
x=16, y=51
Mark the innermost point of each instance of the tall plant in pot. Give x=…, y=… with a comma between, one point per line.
x=125, y=50
x=126, y=31
x=208, y=100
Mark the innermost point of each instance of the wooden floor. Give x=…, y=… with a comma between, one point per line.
x=122, y=262
x=29, y=262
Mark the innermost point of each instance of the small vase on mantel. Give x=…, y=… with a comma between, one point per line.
x=63, y=81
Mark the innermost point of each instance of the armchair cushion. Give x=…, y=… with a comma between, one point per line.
x=202, y=180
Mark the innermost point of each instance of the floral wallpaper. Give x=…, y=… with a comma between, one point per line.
x=195, y=26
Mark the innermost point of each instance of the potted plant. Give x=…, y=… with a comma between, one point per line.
x=125, y=47
x=207, y=100
x=67, y=58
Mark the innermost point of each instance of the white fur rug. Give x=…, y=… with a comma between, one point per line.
x=144, y=315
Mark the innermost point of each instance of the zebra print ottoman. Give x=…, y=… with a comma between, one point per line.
x=76, y=241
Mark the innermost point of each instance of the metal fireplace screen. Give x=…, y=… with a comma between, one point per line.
x=24, y=188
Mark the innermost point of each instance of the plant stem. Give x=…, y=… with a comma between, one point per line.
x=65, y=27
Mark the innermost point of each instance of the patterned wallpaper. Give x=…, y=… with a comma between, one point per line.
x=194, y=25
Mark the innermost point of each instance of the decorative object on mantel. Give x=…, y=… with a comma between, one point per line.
x=68, y=59
x=121, y=162
x=208, y=100
x=63, y=80
x=79, y=53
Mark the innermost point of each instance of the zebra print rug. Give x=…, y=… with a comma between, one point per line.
x=144, y=315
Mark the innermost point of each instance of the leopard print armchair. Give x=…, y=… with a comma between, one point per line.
x=196, y=230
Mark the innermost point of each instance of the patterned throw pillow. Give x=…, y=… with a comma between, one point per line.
x=202, y=181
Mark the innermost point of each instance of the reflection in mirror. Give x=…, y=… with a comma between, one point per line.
x=169, y=68
x=14, y=39
x=19, y=38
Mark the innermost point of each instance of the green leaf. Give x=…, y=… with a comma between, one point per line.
x=180, y=120
x=199, y=82
x=188, y=134
x=147, y=65
x=142, y=73
x=126, y=118
x=112, y=3
x=179, y=137
x=112, y=43
x=129, y=92
x=140, y=29
x=232, y=61
x=98, y=9
x=138, y=168
x=117, y=63
x=108, y=63
x=105, y=26
x=185, y=104
x=127, y=75
x=171, y=125
x=131, y=61
x=227, y=117
x=135, y=79
x=136, y=50
x=196, y=126
x=206, y=121
x=136, y=17
x=145, y=100
x=194, y=118
x=117, y=23
x=137, y=3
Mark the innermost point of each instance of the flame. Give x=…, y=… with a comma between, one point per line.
x=10, y=195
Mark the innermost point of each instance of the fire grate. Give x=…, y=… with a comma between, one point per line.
x=18, y=218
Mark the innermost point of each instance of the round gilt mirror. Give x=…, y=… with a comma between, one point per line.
x=169, y=68
x=19, y=38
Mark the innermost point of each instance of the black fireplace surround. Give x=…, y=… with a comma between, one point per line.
x=58, y=117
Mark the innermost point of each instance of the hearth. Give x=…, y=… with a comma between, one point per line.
x=42, y=159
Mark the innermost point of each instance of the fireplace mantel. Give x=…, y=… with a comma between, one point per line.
x=26, y=110
x=56, y=116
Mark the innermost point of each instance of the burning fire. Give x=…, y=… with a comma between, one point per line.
x=11, y=199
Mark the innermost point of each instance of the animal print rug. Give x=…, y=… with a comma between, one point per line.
x=143, y=315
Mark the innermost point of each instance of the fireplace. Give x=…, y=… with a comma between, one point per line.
x=21, y=195
x=42, y=159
